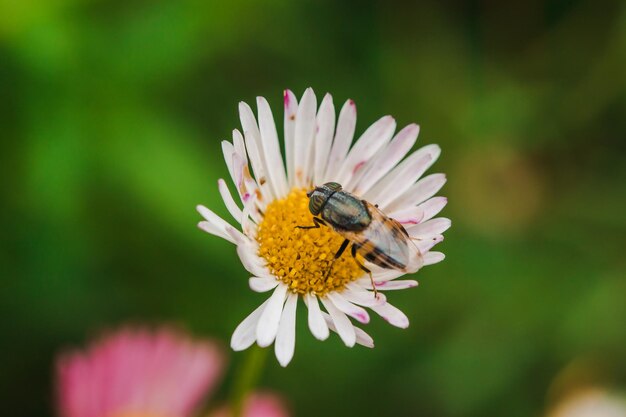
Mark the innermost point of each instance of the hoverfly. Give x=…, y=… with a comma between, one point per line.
x=378, y=238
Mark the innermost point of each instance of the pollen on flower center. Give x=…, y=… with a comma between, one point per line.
x=301, y=257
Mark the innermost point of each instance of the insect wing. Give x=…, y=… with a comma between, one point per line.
x=385, y=243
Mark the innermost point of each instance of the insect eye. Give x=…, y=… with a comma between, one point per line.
x=333, y=186
x=316, y=202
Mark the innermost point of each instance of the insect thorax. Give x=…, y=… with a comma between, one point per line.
x=345, y=212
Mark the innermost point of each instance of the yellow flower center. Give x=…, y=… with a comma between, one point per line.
x=301, y=258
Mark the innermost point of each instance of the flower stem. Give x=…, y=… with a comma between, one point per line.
x=247, y=377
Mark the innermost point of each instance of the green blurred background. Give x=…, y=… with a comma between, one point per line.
x=111, y=116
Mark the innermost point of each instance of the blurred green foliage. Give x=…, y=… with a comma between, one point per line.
x=111, y=117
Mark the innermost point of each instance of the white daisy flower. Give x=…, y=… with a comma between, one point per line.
x=293, y=263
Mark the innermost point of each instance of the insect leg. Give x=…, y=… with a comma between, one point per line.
x=364, y=268
x=342, y=248
x=317, y=222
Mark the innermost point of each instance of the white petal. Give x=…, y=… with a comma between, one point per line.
x=254, y=147
x=350, y=309
x=432, y=207
x=247, y=212
x=317, y=324
x=431, y=258
x=232, y=207
x=250, y=260
x=245, y=334
x=344, y=327
x=415, y=263
x=268, y=323
x=305, y=132
x=359, y=295
x=408, y=216
x=271, y=149
x=396, y=182
x=291, y=108
x=286, y=336
x=343, y=138
x=262, y=284
x=429, y=228
x=239, y=145
x=395, y=285
x=424, y=245
x=238, y=149
x=392, y=315
x=385, y=160
x=372, y=140
x=323, y=137
x=213, y=230
x=386, y=275
x=402, y=177
x=229, y=150
x=214, y=224
x=362, y=338
x=419, y=192
x=246, y=185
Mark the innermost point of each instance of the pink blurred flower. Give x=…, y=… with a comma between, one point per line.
x=138, y=372
x=260, y=404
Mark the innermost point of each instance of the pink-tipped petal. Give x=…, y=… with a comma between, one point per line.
x=395, y=285
x=392, y=315
x=354, y=311
x=408, y=216
x=361, y=337
x=357, y=294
